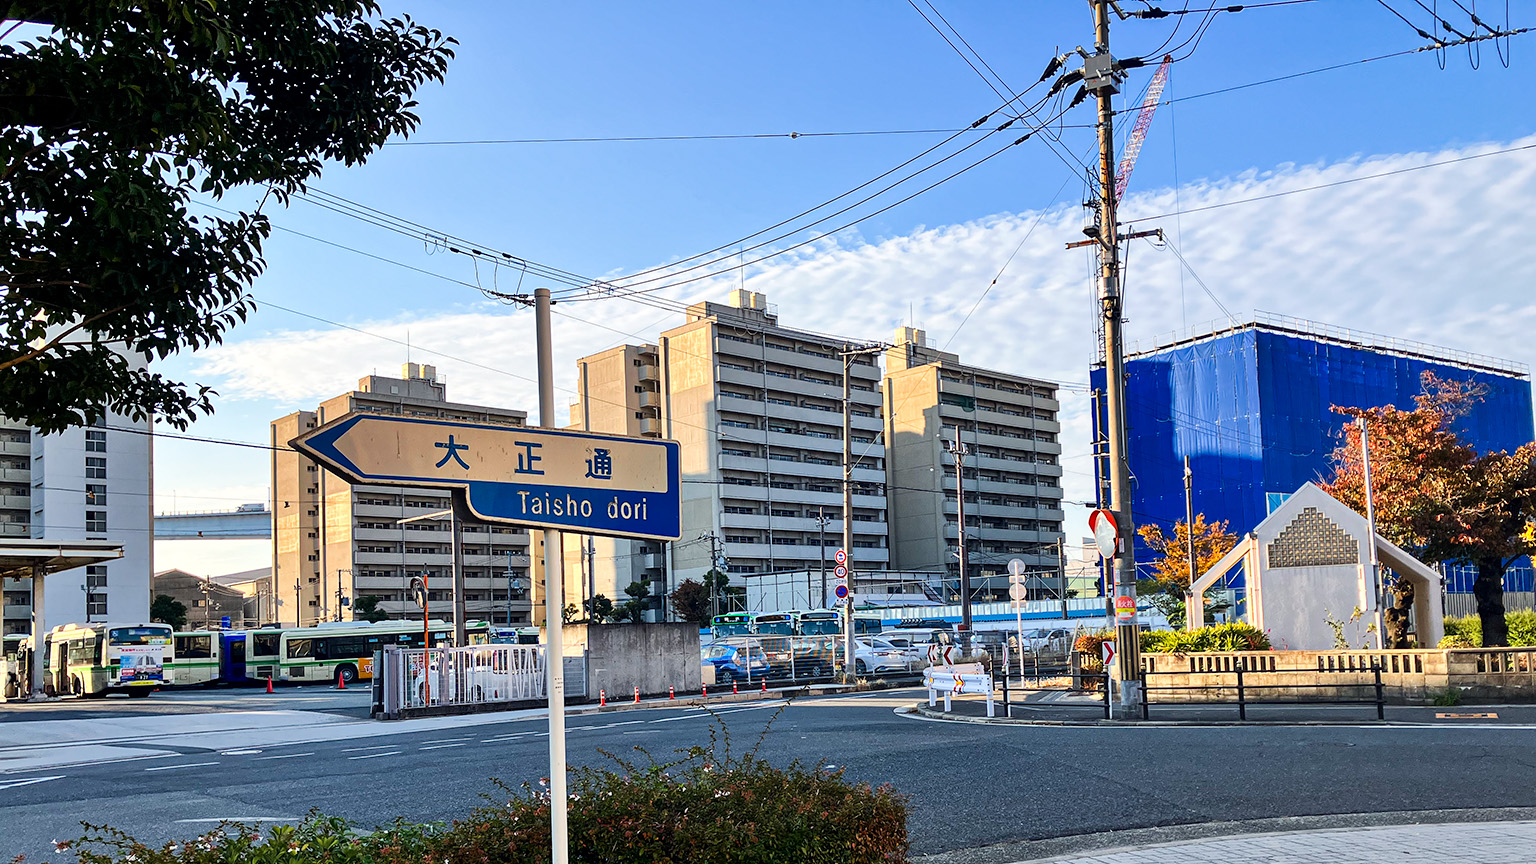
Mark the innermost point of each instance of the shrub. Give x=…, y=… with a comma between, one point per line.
x=706, y=805
x=1467, y=632
x=1090, y=646
x=1236, y=636
x=1446, y=698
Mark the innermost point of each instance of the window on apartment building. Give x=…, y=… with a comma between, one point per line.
x=96, y=576
x=96, y=521
x=96, y=605
x=95, y=495
x=95, y=468
x=96, y=440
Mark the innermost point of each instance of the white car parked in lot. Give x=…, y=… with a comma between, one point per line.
x=872, y=655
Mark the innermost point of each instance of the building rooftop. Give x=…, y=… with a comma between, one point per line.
x=1320, y=332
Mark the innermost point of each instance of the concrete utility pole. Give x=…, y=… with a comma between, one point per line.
x=456, y=545
x=821, y=547
x=849, y=352
x=1189, y=538
x=960, y=451
x=554, y=599
x=1061, y=572
x=1101, y=77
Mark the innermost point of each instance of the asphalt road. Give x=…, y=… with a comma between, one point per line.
x=969, y=784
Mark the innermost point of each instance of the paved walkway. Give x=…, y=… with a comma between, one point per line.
x=1456, y=843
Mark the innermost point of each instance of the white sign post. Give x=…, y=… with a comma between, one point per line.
x=1018, y=591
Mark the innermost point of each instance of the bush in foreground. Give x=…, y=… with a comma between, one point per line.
x=707, y=805
x=1467, y=632
x=1235, y=636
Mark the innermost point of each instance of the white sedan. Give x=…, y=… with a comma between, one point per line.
x=878, y=655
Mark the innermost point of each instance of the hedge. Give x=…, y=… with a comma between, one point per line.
x=699, y=807
x=1467, y=632
x=1236, y=636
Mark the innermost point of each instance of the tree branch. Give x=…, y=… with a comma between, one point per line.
x=55, y=341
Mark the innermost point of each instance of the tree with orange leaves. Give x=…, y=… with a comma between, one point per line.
x=1168, y=586
x=1438, y=496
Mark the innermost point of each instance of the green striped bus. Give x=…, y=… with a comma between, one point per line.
x=97, y=659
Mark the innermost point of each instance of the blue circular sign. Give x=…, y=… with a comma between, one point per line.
x=841, y=591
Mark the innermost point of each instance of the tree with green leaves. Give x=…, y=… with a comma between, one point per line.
x=599, y=608
x=366, y=608
x=690, y=602
x=1439, y=497
x=168, y=610
x=633, y=609
x=116, y=119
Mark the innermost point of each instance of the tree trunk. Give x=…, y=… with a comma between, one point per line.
x=1488, y=588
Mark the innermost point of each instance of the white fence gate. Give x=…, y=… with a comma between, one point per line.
x=417, y=679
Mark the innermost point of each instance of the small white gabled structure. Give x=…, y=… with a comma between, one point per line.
x=1307, y=562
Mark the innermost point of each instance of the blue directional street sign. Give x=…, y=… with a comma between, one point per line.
x=577, y=481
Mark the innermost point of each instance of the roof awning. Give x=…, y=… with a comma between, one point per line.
x=21, y=557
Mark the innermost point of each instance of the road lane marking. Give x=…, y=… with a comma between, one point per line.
x=284, y=756
x=638, y=732
x=238, y=820
x=1446, y=716
x=376, y=755
x=29, y=781
x=446, y=740
x=246, y=752
x=361, y=749
x=443, y=746
x=174, y=767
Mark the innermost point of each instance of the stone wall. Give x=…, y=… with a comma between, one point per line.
x=1407, y=677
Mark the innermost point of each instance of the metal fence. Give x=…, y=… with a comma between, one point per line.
x=1461, y=605
x=417, y=679
x=768, y=657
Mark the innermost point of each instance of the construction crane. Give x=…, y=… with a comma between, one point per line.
x=1143, y=123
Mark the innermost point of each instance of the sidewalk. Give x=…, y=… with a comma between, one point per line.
x=1088, y=709
x=1458, y=843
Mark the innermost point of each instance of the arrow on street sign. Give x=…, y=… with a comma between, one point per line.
x=596, y=484
x=1108, y=650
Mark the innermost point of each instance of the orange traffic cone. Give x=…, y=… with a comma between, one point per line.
x=269, y=683
x=341, y=681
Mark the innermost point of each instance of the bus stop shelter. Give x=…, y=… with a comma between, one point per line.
x=37, y=559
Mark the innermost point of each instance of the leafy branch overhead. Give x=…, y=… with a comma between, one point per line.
x=114, y=118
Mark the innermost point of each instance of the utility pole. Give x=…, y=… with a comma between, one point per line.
x=714, y=591
x=456, y=545
x=960, y=450
x=554, y=599
x=821, y=547
x=510, y=577
x=1061, y=572
x=1370, y=521
x=849, y=352
x=1189, y=538
x=1101, y=78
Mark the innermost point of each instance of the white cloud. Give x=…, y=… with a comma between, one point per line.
x=1436, y=255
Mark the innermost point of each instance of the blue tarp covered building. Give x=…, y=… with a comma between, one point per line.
x=1250, y=406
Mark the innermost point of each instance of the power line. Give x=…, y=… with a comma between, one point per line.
x=607, y=139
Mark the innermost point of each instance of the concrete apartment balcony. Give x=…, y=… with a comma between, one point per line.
x=648, y=399
x=381, y=511
x=388, y=535
x=16, y=448
x=13, y=611
x=802, y=360
x=648, y=372
x=15, y=502
x=16, y=475
x=15, y=529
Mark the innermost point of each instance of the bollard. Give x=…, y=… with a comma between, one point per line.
x=765, y=686
x=637, y=695
x=704, y=689
x=671, y=693
x=602, y=698
x=733, y=687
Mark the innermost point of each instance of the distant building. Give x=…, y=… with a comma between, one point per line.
x=207, y=602
x=1250, y=406
x=93, y=482
x=255, y=586
x=334, y=542
x=1012, y=473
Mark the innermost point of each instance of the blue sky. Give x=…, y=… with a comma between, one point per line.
x=606, y=209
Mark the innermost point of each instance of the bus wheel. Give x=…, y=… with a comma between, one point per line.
x=139, y=692
x=346, y=672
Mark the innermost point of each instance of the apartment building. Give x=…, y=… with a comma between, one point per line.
x=757, y=409
x=618, y=391
x=334, y=541
x=1008, y=423
x=93, y=482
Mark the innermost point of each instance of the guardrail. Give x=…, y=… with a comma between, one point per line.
x=456, y=680
x=1241, y=690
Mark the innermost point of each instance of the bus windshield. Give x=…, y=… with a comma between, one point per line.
x=776, y=626
x=140, y=635
x=732, y=625
x=820, y=626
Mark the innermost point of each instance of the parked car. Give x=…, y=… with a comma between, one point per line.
x=878, y=655
x=916, y=640
x=736, y=662
x=1047, y=646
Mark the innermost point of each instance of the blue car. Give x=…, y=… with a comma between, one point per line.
x=731, y=662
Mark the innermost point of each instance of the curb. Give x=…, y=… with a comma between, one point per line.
x=922, y=710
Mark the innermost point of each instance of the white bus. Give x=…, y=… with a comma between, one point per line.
x=96, y=659
x=194, y=658
x=342, y=649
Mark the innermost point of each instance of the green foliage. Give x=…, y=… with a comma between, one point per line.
x=1090, y=645
x=1235, y=636
x=112, y=119
x=690, y=602
x=570, y=613
x=1449, y=697
x=707, y=804
x=168, y=610
x=599, y=608
x=1467, y=632
x=639, y=600
x=366, y=608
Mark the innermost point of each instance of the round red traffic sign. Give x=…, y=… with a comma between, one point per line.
x=840, y=572
x=841, y=556
x=841, y=592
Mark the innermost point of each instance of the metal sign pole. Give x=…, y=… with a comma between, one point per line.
x=554, y=595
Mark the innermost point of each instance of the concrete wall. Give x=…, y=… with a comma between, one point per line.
x=652, y=657
x=1298, y=601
